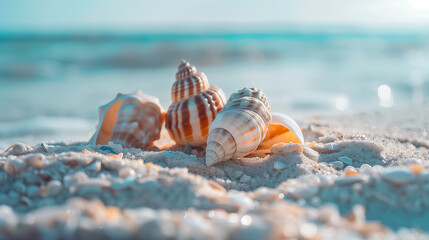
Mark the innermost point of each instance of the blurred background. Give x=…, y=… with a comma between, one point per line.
x=60, y=61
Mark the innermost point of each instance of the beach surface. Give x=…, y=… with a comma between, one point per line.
x=358, y=176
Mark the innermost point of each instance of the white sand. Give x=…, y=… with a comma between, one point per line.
x=285, y=194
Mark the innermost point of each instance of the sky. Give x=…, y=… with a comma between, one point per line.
x=104, y=14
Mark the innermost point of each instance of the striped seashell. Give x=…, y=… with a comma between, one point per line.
x=195, y=106
x=131, y=120
x=281, y=129
x=240, y=126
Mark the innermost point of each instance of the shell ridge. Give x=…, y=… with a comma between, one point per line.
x=195, y=106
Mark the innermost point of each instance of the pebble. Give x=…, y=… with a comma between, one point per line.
x=113, y=163
x=95, y=166
x=346, y=181
x=326, y=148
x=35, y=160
x=245, y=178
x=365, y=168
x=346, y=160
x=7, y=217
x=237, y=174
x=126, y=172
x=15, y=165
x=337, y=164
x=79, y=177
x=33, y=191
x=398, y=176
x=3, y=177
x=310, y=153
x=19, y=187
x=108, y=149
x=279, y=165
x=116, y=147
x=45, y=147
x=305, y=192
x=53, y=188
x=286, y=148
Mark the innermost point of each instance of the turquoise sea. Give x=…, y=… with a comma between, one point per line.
x=51, y=84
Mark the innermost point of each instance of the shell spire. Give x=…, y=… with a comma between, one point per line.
x=131, y=120
x=195, y=106
x=239, y=127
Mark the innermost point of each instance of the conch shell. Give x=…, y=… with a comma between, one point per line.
x=132, y=120
x=239, y=127
x=281, y=129
x=195, y=106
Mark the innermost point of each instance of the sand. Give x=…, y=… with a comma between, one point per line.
x=359, y=176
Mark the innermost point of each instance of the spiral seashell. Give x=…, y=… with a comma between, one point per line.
x=195, y=106
x=239, y=127
x=131, y=120
x=281, y=129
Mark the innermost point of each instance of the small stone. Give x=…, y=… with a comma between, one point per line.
x=115, y=147
x=3, y=177
x=346, y=160
x=337, y=164
x=286, y=148
x=310, y=153
x=108, y=149
x=279, y=165
x=53, y=188
x=126, y=172
x=237, y=174
x=305, y=192
x=365, y=168
x=113, y=163
x=398, y=176
x=327, y=180
x=33, y=191
x=44, y=147
x=245, y=178
x=20, y=187
x=79, y=177
x=35, y=160
x=15, y=165
x=349, y=180
x=94, y=167
x=7, y=217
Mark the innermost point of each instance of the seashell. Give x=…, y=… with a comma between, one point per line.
x=239, y=127
x=18, y=149
x=195, y=106
x=131, y=120
x=281, y=129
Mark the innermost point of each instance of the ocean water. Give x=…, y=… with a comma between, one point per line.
x=51, y=85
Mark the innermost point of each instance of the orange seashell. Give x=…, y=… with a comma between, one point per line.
x=195, y=106
x=132, y=120
x=281, y=129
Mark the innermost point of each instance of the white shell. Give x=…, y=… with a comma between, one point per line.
x=239, y=127
x=131, y=120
